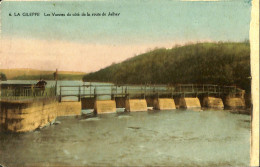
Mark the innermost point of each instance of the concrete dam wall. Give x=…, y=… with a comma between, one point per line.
x=134, y=105
x=189, y=102
x=213, y=102
x=164, y=104
x=234, y=103
x=28, y=116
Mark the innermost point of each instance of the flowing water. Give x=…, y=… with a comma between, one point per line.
x=153, y=138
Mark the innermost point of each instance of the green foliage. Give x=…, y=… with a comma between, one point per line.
x=49, y=77
x=3, y=77
x=223, y=63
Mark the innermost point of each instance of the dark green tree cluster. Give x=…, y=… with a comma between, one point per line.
x=3, y=77
x=223, y=63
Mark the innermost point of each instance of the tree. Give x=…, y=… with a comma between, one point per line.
x=3, y=77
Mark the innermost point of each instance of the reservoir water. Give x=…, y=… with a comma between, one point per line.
x=153, y=138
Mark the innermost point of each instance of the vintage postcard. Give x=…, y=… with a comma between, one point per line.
x=129, y=83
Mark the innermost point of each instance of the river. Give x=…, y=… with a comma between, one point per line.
x=152, y=138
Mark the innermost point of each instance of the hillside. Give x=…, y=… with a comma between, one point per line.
x=224, y=63
x=31, y=74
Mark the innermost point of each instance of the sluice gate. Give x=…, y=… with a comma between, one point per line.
x=160, y=97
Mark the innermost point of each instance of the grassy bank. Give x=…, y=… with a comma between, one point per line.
x=49, y=77
x=32, y=74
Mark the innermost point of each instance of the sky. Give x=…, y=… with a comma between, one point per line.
x=89, y=43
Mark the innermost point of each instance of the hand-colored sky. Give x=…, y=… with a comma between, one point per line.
x=87, y=44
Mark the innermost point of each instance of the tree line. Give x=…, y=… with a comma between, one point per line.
x=222, y=63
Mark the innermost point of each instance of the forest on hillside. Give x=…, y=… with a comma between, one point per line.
x=223, y=63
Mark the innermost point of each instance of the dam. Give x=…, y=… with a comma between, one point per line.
x=161, y=97
x=25, y=109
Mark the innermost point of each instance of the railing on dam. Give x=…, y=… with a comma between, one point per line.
x=26, y=93
x=130, y=91
x=93, y=91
